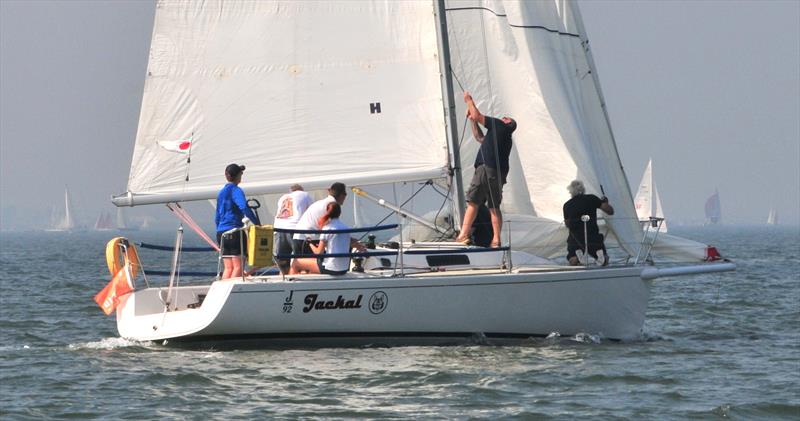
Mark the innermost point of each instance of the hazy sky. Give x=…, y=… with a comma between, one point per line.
x=709, y=89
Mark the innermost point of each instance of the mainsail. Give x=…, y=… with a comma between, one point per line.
x=647, y=200
x=305, y=92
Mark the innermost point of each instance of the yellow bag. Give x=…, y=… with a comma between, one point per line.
x=259, y=245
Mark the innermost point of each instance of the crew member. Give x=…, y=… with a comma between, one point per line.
x=291, y=207
x=491, y=169
x=579, y=205
x=329, y=243
x=231, y=208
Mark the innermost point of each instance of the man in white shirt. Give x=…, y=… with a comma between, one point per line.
x=291, y=207
x=310, y=219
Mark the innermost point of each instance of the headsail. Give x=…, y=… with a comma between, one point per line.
x=299, y=91
x=530, y=61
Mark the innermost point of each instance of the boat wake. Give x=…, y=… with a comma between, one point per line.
x=111, y=343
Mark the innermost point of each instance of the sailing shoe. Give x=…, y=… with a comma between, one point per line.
x=602, y=258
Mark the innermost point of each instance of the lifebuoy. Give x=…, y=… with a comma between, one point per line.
x=117, y=259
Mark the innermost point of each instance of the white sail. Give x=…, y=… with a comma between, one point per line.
x=772, y=219
x=647, y=200
x=530, y=61
x=67, y=221
x=298, y=91
x=713, y=209
x=103, y=222
x=122, y=222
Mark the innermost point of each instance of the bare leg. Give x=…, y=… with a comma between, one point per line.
x=306, y=265
x=469, y=218
x=497, y=225
x=236, y=270
x=228, y=267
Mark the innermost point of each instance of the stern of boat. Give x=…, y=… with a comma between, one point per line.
x=143, y=316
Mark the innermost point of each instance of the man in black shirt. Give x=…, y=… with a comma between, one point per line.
x=491, y=169
x=584, y=204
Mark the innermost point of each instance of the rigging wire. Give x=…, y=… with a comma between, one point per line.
x=429, y=182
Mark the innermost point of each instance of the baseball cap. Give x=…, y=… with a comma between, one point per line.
x=234, y=170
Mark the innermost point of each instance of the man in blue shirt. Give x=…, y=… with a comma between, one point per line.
x=231, y=208
x=491, y=169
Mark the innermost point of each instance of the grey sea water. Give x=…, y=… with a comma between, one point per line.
x=715, y=346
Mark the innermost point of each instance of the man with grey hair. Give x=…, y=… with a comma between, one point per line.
x=290, y=208
x=574, y=209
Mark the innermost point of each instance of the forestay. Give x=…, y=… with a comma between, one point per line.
x=299, y=91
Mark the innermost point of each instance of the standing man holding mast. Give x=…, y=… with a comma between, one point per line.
x=491, y=169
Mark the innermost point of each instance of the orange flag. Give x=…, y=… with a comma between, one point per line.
x=108, y=297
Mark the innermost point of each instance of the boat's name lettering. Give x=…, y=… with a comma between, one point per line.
x=313, y=302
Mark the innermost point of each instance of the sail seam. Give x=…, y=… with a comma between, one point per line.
x=501, y=15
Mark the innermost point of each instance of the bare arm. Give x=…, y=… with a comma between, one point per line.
x=472, y=110
x=319, y=248
x=476, y=131
x=605, y=207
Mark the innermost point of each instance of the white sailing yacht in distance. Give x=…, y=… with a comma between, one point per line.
x=713, y=209
x=314, y=92
x=772, y=219
x=647, y=200
x=122, y=221
x=103, y=222
x=67, y=221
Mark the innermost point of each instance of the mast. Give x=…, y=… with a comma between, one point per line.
x=450, y=113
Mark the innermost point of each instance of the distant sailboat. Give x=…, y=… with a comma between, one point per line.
x=67, y=222
x=122, y=221
x=647, y=201
x=103, y=222
x=772, y=219
x=713, y=209
x=145, y=224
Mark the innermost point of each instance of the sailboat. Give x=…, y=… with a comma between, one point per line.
x=103, y=222
x=67, y=221
x=122, y=221
x=713, y=209
x=648, y=202
x=298, y=94
x=772, y=219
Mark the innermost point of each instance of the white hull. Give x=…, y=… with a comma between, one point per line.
x=430, y=308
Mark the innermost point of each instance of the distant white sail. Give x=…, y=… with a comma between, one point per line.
x=772, y=219
x=647, y=200
x=103, y=222
x=67, y=221
x=713, y=209
x=122, y=223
